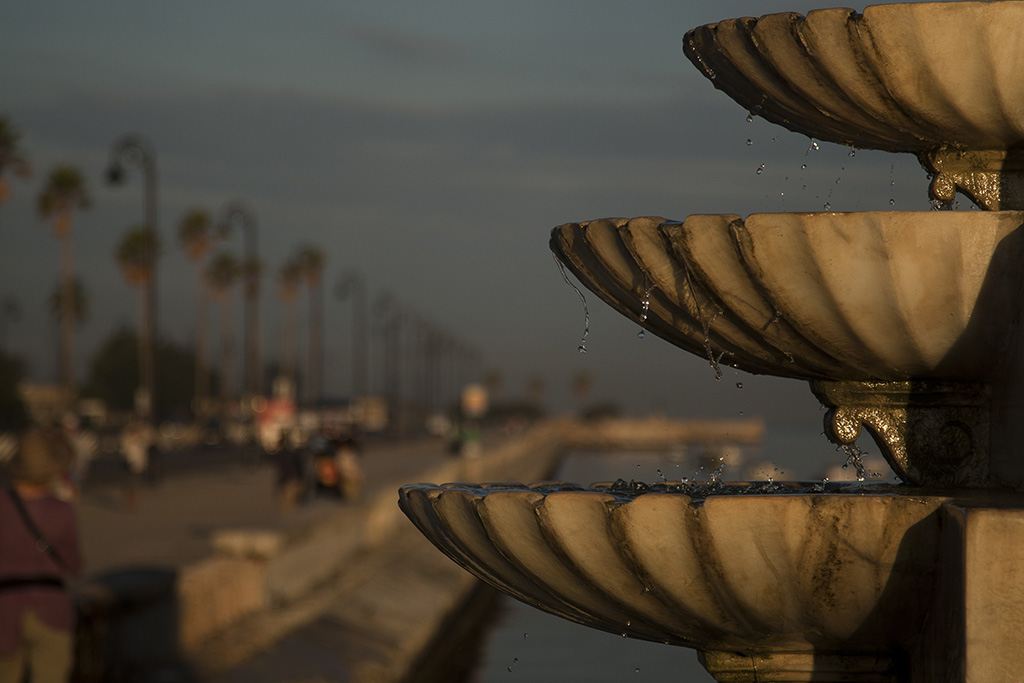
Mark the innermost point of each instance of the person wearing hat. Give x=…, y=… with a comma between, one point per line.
x=39, y=553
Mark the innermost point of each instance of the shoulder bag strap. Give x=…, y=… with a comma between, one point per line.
x=42, y=542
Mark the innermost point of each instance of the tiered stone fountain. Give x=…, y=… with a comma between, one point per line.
x=906, y=323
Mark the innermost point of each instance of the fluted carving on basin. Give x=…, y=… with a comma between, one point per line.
x=906, y=77
x=860, y=296
x=932, y=78
x=791, y=573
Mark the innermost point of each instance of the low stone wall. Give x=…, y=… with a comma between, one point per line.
x=255, y=569
x=659, y=433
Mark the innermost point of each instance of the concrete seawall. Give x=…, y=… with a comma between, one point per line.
x=255, y=569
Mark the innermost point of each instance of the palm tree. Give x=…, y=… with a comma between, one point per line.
x=79, y=301
x=64, y=192
x=221, y=275
x=196, y=235
x=251, y=270
x=11, y=156
x=289, y=280
x=136, y=255
x=311, y=268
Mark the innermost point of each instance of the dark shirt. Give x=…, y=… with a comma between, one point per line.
x=20, y=557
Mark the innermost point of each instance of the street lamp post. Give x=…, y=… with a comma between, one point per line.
x=134, y=150
x=351, y=284
x=390, y=327
x=235, y=213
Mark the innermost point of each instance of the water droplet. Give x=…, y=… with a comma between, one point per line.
x=741, y=413
x=750, y=118
x=804, y=187
x=892, y=202
x=586, y=309
x=828, y=206
x=775, y=139
x=814, y=145
x=782, y=194
x=749, y=142
x=803, y=165
x=525, y=636
x=644, y=308
x=837, y=180
x=739, y=385
x=760, y=169
x=853, y=151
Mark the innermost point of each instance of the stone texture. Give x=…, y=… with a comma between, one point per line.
x=976, y=631
x=932, y=78
x=816, y=574
x=841, y=296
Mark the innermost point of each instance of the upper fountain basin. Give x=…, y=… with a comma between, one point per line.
x=844, y=296
x=729, y=573
x=907, y=77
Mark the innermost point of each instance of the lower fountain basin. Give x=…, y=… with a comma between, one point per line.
x=735, y=576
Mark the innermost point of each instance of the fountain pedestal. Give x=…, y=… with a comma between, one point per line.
x=908, y=324
x=975, y=632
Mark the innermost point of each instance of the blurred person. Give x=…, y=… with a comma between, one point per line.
x=39, y=553
x=84, y=446
x=134, y=446
x=327, y=473
x=350, y=469
x=289, y=473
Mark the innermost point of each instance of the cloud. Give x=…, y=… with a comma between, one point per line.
x=405, y=46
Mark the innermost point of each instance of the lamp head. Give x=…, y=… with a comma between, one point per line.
x=115, y=174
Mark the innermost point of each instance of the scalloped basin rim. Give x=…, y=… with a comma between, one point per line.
x=697, y=492
x=730, y=573
x=859, y=296
x=886, y=78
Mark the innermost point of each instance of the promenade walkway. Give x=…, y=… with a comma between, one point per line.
x=178, y=514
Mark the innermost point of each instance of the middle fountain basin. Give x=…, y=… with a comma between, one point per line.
x=867, y=296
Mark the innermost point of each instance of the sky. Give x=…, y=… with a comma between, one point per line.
x=428, y=147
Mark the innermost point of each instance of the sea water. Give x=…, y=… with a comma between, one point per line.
x=522, y=643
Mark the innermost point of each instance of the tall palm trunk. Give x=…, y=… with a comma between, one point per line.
x=227, y=349
x=143, y=396
x=289, y=342
x=314, y=362
x=148, y=351
x=253, y=343
x=67, y=313
x=202, y=388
